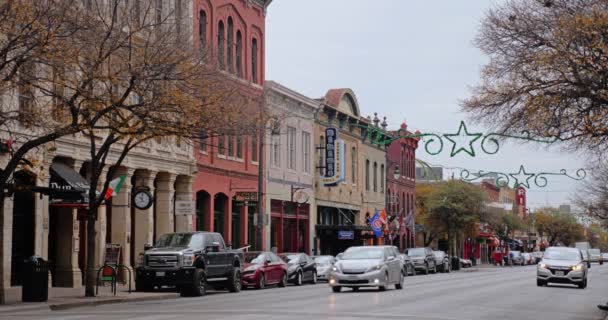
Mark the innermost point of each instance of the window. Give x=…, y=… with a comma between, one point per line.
x=367, y=175
x=382, y=178
x=221, y=145
x=306, y=152
x=375, y=177
x=276, y=153
x=353, y=165
x=202, y=31
x=321, y=153
x=291, y=148
x=239, y=54
x=254, y=148
x=203, y=141
x=239, y=147
x=159, y=11
x=230, y=146
x=229, y=45
x=220, y=45
x=254, y=60
x=178, y=18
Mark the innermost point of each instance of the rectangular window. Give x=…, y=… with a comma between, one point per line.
x=276, y=153
x=291, y=148
x=221, y=145
x=254, y=148
x=353, y=155
x=367, y=175
x=239, y=147
x=230, y=146
x=321, y=153
x=306, y=151
x=375, y=177
x=202, y=141
x=382, y=178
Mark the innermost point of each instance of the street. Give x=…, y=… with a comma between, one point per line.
x=504, y=293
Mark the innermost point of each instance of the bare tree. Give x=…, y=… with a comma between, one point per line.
x=593, y=197
x=548, y=71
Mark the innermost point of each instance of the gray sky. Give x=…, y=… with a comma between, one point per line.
x=407, y=60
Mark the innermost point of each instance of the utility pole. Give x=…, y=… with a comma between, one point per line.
x=262, y=137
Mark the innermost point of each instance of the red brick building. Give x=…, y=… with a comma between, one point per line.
x=401, y=192
x=234, y=31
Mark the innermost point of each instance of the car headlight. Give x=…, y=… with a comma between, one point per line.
x=577, y=267
x=374, y=268
x=188, y=259
x=335, y=268
x=543, y=265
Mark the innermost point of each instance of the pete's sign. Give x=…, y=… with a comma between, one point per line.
x=334, y=158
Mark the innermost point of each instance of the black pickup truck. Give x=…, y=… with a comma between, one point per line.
x=189, y=261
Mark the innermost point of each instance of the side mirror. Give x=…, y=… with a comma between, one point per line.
x=390, y=258
x=267, y=262
x=148, y=246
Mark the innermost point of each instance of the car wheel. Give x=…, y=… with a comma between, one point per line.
x=383, y=288
x=140, y=286
x=540, y=283
x=399, y=285
x=299, y=279
x=234, y=281
x=583, y=284
x=261, y=282
x=337, y=289
x=426, y=268
x=283, y=282
x=198, y=284
x=314, y=277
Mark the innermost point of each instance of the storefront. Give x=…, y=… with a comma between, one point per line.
x=289, y=226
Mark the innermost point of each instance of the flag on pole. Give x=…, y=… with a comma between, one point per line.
x=376, y=225
x=114, y=187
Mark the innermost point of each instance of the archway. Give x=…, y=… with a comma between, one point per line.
x=23, y=224
x=220, y=207
x=203, y=204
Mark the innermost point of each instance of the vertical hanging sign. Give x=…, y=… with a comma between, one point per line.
x=334, y=158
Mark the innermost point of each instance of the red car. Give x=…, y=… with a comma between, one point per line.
x=264, y=268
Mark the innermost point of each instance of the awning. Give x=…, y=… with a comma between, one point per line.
x=67, y=187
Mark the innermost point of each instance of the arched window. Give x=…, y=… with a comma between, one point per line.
x=367, y=175
x=239, y=53
x=254, y=60
x=353, y=156
x=375, y=177
x=202, y=31
x=229, y=45
x=382, y=178
x=220, y=44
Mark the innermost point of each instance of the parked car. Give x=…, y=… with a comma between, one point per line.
x=586, y=257
x=527, y=258
x=264, y=268
x=466, y=263
x=301, y=268
x=538, y=255
x=324, y=265
x=595, y=255
x=442, y=261
x=190, y=261
x=408, y=265
x=562, y=265
x=367, y=266
x=516, y=258
x=423, y=259
x=605, y=256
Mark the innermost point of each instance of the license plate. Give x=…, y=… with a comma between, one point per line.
x=160, y=274
x=559, y=273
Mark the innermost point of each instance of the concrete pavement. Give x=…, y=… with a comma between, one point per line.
x=493, y=293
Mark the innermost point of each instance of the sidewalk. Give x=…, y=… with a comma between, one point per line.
x=67, y=298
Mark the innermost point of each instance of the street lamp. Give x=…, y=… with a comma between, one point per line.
x=397, y=173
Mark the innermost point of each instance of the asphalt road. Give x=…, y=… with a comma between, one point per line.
x=506, y=293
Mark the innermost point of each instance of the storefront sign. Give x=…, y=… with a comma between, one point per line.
x=184, y=207
x=301, y=196
x=112, y=254
x=521, y=197
x=246, y=196
x=334, y=158
x=346, y=235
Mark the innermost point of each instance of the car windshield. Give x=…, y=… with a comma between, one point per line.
x=174, y=240
x=438, y=254
x=594, y=251
x=515, y=253
x=254, y=257
x=417, y=252
x=562, y=255
x=291, y=258
x=363, y=253
x=323, y=260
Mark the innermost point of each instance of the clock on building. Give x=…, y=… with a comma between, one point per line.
x=142, y=199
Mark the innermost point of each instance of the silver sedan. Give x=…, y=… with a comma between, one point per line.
x=324, y=265
x=562, y=265
x=367, y=266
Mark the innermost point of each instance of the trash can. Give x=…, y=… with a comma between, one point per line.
x=35, y=280
x=455, y=263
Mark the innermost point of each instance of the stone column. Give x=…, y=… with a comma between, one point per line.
x=100, y=226
x=183, y=192
x=165, y=190
x=144, y=219
x=244, y=226
x=6, y=239
x=121, y=220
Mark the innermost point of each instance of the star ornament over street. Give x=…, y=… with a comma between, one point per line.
x=463, y=140
x=521, y=176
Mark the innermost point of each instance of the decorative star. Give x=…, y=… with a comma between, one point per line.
x=518, y=177
x=470, y=138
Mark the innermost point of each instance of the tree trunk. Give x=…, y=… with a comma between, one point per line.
x=91, y=273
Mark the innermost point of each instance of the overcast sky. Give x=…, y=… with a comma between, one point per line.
x=407, y=60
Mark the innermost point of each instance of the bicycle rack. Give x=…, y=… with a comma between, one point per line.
x=113, y=281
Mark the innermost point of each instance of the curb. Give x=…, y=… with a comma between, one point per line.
x=71, y=305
